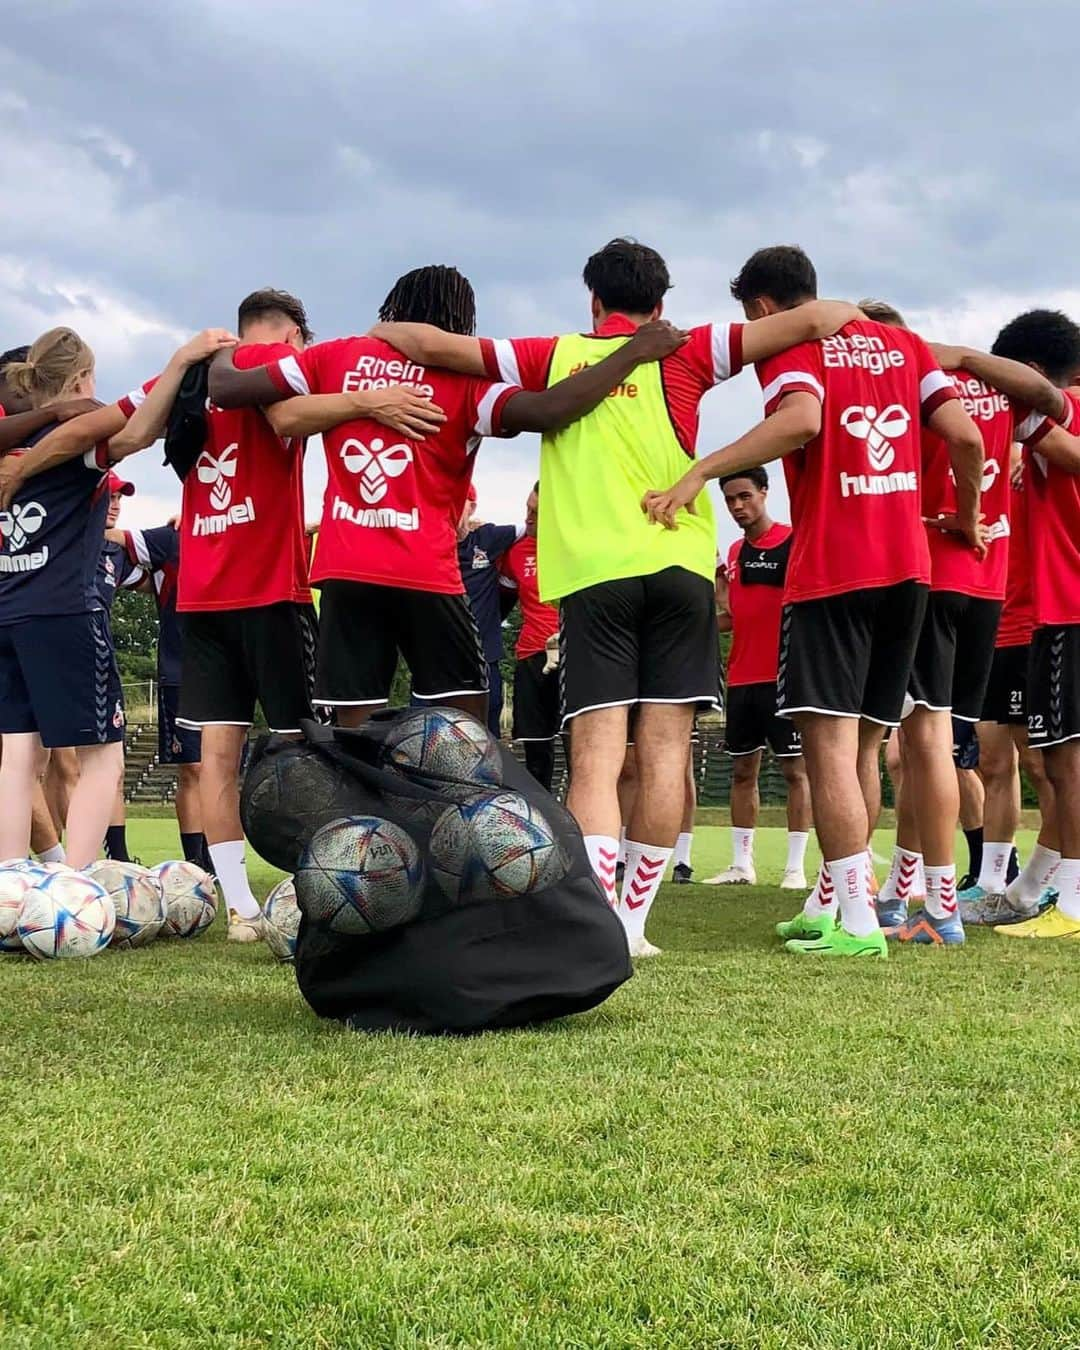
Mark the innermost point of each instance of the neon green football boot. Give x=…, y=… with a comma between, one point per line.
x=839, y=942
x=804, y=926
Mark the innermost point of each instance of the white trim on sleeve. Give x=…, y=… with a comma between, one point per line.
x=137, y=397
x=932, y=382
x=485, y=410
x=507, y=360
x=138, y=543
x=786, y=377
x=721, y=352
x=294, y=376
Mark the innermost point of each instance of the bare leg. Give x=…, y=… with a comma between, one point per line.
x=597, y=752
x=799, y=816
x=1063, y=770
x=219, y=782
x=43, y=834
x=972, y=798
x=927, y=742
x=23, y=761
x=871, y=735
x=1034, y=763
x=60, y=782
x=627, y=786
x=188, y=806
x=745, y=798
x=1001, y=783
x=101, y=769
x=662, y=741
x=831, y=749
x=690, y=800
x=907, y=819
x=346, y=717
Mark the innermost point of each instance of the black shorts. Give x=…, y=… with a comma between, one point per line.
x=850, y=655
x=965, y=744
x=1006, y=692
x=58, y=677
x=176, y=744
x=536, y=700
x=1053, y=691
x=235, y=658
x=364, y=628
x=752, y=723
x=955, y=652
x=639, y=640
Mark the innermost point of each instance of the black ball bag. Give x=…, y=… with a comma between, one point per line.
x=459, y=967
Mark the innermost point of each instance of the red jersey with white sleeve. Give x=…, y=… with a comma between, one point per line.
x=1053, y=518
x=391, y=506
x=242, y=541
x=711, y=354
x=517, y=571
x=1018, y=613
x=756, y=573
x=854, y=489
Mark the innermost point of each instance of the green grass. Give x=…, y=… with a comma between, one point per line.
x=738, y=1149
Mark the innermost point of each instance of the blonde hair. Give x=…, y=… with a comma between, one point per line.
x=54, y=365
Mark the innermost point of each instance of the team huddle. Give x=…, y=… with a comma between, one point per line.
x=929, y=579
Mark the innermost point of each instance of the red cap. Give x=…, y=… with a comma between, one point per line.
x=117, y=484
x=470, y=496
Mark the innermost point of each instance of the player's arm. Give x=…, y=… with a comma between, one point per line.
x=147, y=423
x=762, y=338
x=796, y=420
x=1059, y=448
x=508, y=596
x=430, y=346
x=17, y=428
x=399, y=406
x=69, y=441
x=578, y=394
x=1023, y=384
x=964, y=444
x=723, y=603
x=230, y=387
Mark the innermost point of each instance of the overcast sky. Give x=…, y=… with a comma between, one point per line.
x=157, y=162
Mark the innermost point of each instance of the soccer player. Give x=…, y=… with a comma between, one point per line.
x=157, y=550
x=1003, y=747
x=536, y=681
x=1035, y=358
x=749, y=599
x=637, y=607
x=481, y=549
x=19, y=420
x=387, y=556
x=952, y=659
x=844, y=415
x=59, y=685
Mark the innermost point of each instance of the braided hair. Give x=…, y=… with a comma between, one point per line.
x=436, y=295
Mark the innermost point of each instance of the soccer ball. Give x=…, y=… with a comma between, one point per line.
x=17, y=876
x=190, y=898
x=65, y=914
x=360, y=875
x=495, y=845
x=137, y=897
x=281, y=920
x=289, y=795
x=445, y=749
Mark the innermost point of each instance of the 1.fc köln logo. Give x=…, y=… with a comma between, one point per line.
x=878, y=430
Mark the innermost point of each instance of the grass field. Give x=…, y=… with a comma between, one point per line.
x=739, y=1149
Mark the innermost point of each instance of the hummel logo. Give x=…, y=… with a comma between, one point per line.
x=18, y=524
x=217, y=473
x=375, y=465
x=876, y=429
x=643, y=881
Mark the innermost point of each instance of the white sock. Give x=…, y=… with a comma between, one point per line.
x=1034, y=877
x=995, y=864
x=54, y=854
x=231, y=873
x=849, y=881
x=822, y=899
x=683, y=845
x=645, y=866
x=941, y=892
x=1067, y=885
x=920, y=877
x=742, y=848
x=797, y=841
x=622, y=845
x=603, y=851
x=902, y=882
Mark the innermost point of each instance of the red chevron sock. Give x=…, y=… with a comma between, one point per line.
x=645, y=867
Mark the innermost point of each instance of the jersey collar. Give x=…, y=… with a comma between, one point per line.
x=615, y=325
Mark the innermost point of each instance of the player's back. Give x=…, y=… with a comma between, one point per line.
x=855, y=488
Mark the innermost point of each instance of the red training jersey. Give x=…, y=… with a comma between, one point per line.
x=854, y=489
x=242, y=542
x=712, y=354
x=953, y=563
x=517, y=568
x=1018, y=613
x=1053, y=518
x=756, y=574
x=391, y=505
